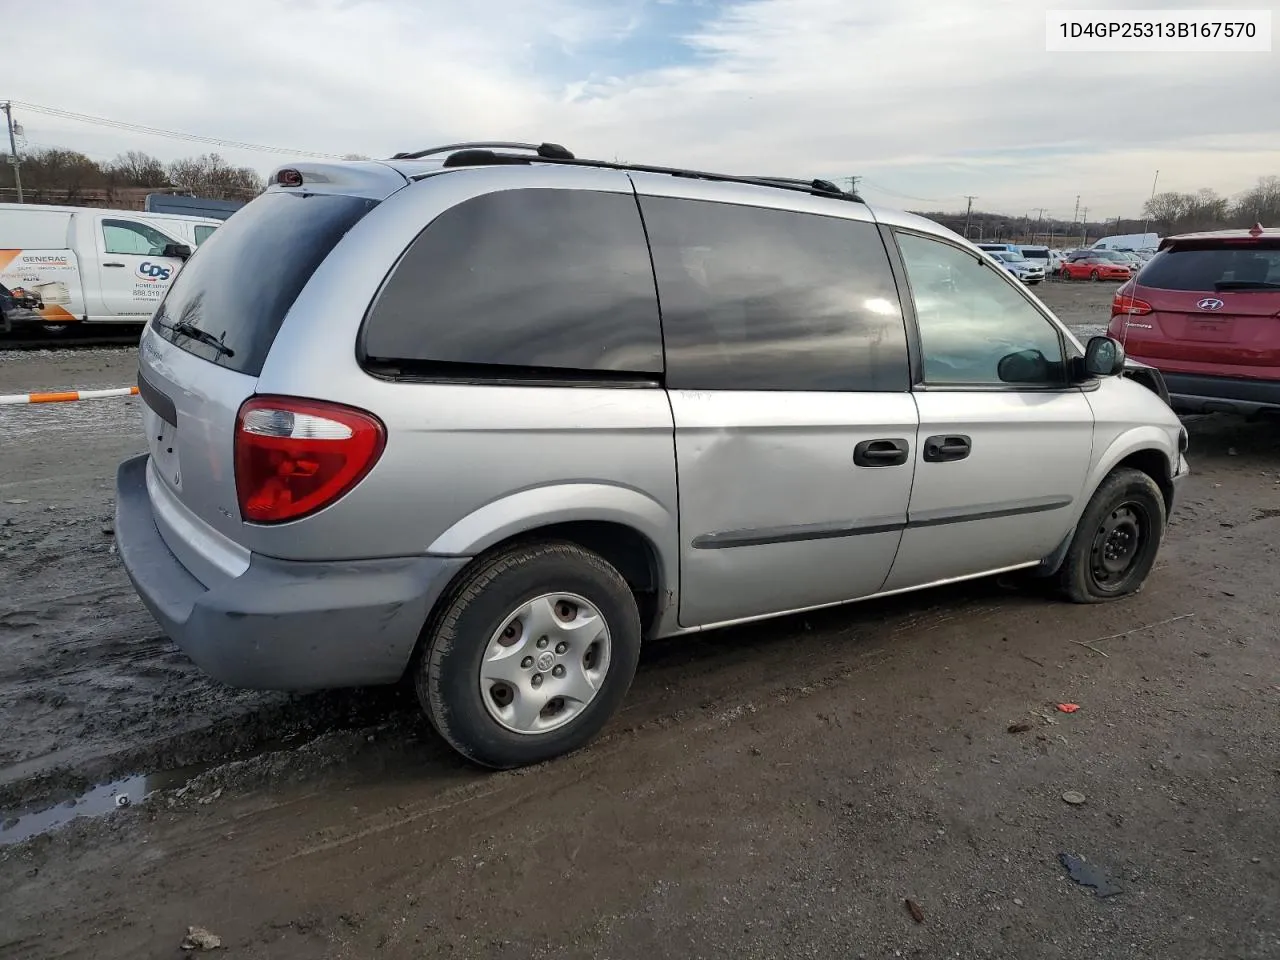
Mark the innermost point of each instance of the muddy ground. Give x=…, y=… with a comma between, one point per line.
x=773, y=791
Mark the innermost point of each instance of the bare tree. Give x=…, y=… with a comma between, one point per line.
x=1261, y=204
x=61, y=175
x=1166, y=209
x=212, y=177
x=137, y=169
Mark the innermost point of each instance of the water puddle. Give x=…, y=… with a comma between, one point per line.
x=97, y=801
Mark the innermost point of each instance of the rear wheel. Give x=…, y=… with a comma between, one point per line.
x=1116, y=541
x=530, y=655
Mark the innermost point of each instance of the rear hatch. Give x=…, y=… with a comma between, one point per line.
x=202, y=353
x=1214, y=308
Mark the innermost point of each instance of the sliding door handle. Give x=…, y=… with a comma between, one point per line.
x=946, y=448
x=881, y=453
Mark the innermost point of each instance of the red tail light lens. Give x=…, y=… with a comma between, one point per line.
x=294, y=457
x=1129, y=306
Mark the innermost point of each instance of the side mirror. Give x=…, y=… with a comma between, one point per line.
x=1103, y=357
x=179, y=250
x=1025, y=366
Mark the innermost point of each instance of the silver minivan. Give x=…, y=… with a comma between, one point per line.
x=488, y=417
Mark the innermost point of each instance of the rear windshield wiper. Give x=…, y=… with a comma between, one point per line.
x=186, y=328
x=1246, y=285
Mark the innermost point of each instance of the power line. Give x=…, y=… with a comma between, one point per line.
x=160, y=132
x=905, y=196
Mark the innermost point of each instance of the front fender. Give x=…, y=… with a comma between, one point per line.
x=1142, y=440
x=1126, y=444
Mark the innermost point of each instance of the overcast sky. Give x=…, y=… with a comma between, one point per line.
x=928, y=100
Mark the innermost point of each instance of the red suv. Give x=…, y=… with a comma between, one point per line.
x=1205, y=312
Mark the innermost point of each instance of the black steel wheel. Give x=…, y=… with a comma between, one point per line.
x=1116, y=541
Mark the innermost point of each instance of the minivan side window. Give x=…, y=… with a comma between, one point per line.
x=975, y=327
x=755, y=298
x=133, y=239
x=528, y=278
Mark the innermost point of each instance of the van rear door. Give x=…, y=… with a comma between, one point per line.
x=202, y=353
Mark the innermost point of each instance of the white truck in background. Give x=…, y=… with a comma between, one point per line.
x=65, y=265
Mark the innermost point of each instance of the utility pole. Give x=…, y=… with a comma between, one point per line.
x=1035, y=234
x=853, y=184
x=1084, y=229
x=1076, y=216
x=13, y=149
x=968, y=215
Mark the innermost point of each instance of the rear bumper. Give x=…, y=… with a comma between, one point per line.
x=1198, y=393
x=281, y=625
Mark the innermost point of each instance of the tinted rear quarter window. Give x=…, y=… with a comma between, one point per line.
x=244, y=278
x=1203, y=267
x=523, y=280
x=761, y=299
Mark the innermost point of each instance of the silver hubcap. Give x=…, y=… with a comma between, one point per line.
x=545, y=663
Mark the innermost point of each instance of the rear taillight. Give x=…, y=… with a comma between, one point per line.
x=1130, y=306
x=294, y=457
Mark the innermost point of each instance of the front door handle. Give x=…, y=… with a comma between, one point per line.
x=881, y=453
x=113, y=264
x=945, y=448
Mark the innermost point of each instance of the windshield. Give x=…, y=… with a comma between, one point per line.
x=1010, y=256
x=1248, y=266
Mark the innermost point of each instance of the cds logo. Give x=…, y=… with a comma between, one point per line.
x=153, y=272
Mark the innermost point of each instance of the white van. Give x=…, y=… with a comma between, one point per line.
x=64, y=265
x=1129, y=242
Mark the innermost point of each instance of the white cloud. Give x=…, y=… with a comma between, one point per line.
x=926, y=98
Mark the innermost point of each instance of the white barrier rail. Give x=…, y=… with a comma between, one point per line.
x=65, y=396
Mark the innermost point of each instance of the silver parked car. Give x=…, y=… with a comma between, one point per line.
x=1026, y=270
x=490, y=416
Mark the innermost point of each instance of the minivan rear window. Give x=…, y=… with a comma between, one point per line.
x=240, y=283
x=519, y=281
x=1250, y=265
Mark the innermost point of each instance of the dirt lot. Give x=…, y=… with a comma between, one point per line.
x=772, y=791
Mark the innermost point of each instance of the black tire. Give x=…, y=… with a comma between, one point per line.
x=1065, y=274
x=1097, y=568
x=446, y=674
x=1095, y=276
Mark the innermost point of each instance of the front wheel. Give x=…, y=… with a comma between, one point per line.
x=530, y=655
x=1116, y=541
x=1095, y=276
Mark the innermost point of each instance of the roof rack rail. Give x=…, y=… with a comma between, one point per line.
x=481, y=155
x=816, y=185
x=549, y=151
